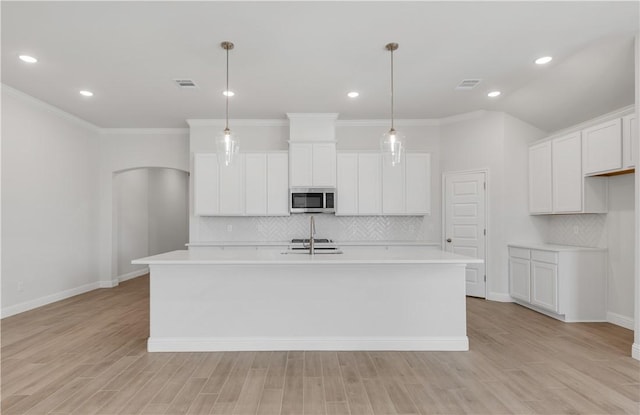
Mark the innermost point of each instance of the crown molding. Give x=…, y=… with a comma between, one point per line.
x=144, y=131
x=619, y=113
x=425, y=122
x=316, y=115
x=473, y=115
x=238, y=122
x=48, y=107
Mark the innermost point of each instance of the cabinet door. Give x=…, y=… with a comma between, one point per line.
x=324, y=164
x=629, y=141
x=347, y=188
x=544, y=285
x=232, y=188
x=418, y=184
x=278, y=184
x=520, y=279
x=567, y=174
x=300, y=164
x=602, y=147
x=369, y=184
x=393, y=188
x=205, y=184
x=540, y=180
x=255, y=184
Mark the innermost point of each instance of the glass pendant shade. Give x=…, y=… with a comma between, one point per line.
x=227, y=147
x=392, y=146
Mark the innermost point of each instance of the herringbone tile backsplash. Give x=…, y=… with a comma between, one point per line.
x=579, y=230
x=342, y=228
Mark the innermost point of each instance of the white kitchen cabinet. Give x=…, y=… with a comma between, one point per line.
x=369, y=184
x=556, y=183
x=418, y=183
x=277, y=184
x=602, y=147
x=540, y=179
x=567, y=174
x=393, y=188
x=347, y=184
x=205, y=184
x=231, y=188
x=312, y=164
x=255, y=185
x=567, y=283
x=629, y=141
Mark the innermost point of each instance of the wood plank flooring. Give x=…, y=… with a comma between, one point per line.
x=87, y=355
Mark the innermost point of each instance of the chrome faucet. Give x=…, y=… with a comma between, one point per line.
x=312, y=232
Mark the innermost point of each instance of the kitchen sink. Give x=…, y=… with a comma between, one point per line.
x=317, y=251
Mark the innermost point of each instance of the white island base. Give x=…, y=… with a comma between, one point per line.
x=225, y=301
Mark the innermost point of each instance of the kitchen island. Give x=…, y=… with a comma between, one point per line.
x=263, y=299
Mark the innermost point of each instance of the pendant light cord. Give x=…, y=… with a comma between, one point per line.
x=226, y=127
x=392, y=127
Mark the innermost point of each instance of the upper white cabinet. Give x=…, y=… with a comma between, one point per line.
x=556, y=184
x=254, y=185
x=540, y=180
x=602, y=147
x=368, y=186
x=629, y=141
x=312, y=164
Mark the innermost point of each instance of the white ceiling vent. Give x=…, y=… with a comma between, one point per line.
x=468, y=84
x=185, y=83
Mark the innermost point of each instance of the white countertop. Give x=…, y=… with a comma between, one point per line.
x=410, y=255
x=339, y=243
x=553, y=247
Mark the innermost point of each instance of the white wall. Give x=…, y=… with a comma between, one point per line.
x=123, y=149
x=49, y=203
x=497, y=142
x=168, y=191
x=131, y=194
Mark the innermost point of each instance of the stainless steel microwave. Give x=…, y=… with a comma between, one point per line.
x=312, y=200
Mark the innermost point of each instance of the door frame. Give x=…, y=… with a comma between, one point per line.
x=485, y=171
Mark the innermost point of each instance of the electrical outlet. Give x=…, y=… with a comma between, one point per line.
x=20, y=286
x=229, y=228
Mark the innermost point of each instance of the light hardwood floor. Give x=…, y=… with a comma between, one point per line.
x=87, y=355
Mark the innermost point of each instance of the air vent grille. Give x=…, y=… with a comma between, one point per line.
x=468, y=84
x=185, y=83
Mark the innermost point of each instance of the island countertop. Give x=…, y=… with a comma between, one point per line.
x=410, y=255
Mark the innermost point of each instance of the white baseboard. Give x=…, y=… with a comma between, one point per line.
x=635, y=351
x=214, y=344
x=620, y=320
x=48, y=299
x=501, y=297
x=108, y=284
x=133, y=274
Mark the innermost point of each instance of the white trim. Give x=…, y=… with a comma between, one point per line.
x=108, y=284
x=215, y=344
x=48, y=299
x=144, y=131
x=238, y=122
x=318, y=115
x=620, y=320
x=500, y=297
x=635, y=351
x=420, y=122
x=463, y=117
x=133, y=274
x=57, y=111
x=486, y=219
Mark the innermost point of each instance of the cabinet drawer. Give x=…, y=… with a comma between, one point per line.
x=545, y=256
x=519, y=252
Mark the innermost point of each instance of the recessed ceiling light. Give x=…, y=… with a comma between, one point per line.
x=28, y=59
x=543, y=60
x=493, y=94
x=86, y=93
x=228, y=93
x=353, y=94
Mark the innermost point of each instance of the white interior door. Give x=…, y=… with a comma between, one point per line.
x=465, y=224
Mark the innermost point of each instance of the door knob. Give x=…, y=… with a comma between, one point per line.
x=449, y=240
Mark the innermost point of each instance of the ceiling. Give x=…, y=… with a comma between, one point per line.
x=305, y=56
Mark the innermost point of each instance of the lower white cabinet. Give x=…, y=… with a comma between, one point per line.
x=568, y=283
x=255, y=184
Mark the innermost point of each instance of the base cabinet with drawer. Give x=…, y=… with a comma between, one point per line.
x=567, y=283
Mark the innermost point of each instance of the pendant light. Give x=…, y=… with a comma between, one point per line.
x=392, y=142
x=227, y=145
